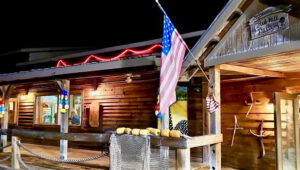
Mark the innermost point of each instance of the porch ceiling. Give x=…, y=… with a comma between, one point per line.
x=281, y=62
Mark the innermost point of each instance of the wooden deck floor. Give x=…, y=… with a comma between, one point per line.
x=102, y=163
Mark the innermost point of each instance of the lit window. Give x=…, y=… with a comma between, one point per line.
x=75, y=110
x=47, y=109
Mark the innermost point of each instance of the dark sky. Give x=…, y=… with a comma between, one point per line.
x=98, y=23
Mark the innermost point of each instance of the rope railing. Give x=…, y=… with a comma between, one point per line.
x=5, y=167
x=60, y=160
x=16, y=134
x=5, y=159
x=24, y=165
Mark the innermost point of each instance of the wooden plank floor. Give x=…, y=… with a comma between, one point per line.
x=102, y=163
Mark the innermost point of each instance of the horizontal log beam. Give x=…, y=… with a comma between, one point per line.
x=251, y=71
x=204, y=140
x=179, y=143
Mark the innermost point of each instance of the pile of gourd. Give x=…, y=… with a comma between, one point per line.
x=149, y=131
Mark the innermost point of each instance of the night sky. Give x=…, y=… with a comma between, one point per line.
x=97, y=24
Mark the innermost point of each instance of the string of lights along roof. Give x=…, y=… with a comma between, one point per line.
x=62, y=63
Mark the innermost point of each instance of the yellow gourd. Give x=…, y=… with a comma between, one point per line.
x=135, y=132
x=165, y=133
x=128, y=130
x=120, y=131
x=175, y=133
x=144, y=132
x=155, y=132
x=149, y=129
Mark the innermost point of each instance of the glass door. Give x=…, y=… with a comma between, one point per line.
x=287, y=131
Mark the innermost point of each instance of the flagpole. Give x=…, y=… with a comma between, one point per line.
x=190, y=52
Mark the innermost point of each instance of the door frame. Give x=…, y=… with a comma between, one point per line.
x=295, y=98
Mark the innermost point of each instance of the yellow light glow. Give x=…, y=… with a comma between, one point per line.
x=128, y=80
x=29, y=96
x=23, y=97
x=270, y=106
x=95, y=93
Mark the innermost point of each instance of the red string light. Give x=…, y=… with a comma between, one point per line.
x=61, y=63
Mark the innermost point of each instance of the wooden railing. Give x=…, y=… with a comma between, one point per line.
x=182, y=145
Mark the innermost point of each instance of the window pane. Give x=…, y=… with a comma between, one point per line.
x=75, y=112
x=48, y=109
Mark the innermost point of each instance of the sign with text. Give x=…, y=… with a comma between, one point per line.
x=269, y=21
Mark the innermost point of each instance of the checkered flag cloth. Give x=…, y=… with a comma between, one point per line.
x=211, y=104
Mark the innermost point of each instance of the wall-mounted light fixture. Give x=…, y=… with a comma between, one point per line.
x=95, y=93
x=128, y=78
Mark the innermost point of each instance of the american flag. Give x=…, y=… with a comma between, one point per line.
x=173, y=50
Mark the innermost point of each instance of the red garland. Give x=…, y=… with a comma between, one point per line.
x=61, y=63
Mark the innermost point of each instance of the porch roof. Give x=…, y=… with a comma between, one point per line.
x=225, y=23
x=53, y=72
x=210, y=37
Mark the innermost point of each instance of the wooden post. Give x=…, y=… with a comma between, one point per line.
x=215, y=121
x=64, y=125
x=165, y=120
x=164, y=150
x=6, y=91
x=15, y=164
x=183, y=159
x=206, y=124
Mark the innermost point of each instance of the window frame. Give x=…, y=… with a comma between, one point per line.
x=37, y=120
x=81, y=114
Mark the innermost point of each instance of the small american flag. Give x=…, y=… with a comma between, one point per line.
x=173, y=50
x=211, y=104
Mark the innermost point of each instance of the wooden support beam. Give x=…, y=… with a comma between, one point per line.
x=6, y=92
x=251, y=71
x=204, y=140
x=215, y=121
x=15, y=164
x=64, y=125
x=164, y=150
x=205, y=124
x=183, y=157
x=27, y=87
x=95, y=84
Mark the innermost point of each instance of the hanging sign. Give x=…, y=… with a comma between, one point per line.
x=269, y=21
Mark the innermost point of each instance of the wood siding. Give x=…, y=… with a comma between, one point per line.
x=26, y=112
x=237, y=41
x=122, y=105
x=246, y=149
x=195, y=112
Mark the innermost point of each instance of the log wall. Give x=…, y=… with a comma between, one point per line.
x=121, y=105
x=246, y=149
x=26, y=112
x=195, y=112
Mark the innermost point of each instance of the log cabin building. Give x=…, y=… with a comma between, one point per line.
x=251, y=53
x=104, y=92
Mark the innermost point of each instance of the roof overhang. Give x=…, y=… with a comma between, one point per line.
x=53, y=72
x=209, y=35
x=253, y=54
x=69, y=55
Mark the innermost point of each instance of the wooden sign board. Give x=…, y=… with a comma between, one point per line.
x=269, y=21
